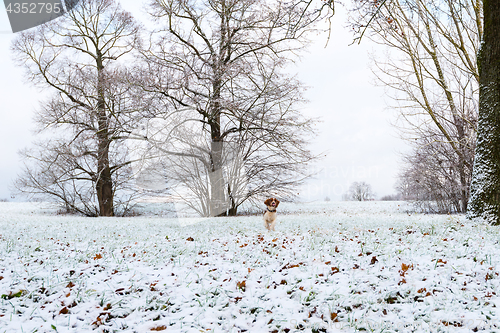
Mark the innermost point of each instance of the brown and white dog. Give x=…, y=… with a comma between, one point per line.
x=270, y=213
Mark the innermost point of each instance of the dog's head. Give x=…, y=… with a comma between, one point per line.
x=272, y=202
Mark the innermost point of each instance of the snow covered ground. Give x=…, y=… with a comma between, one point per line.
x=329, y=267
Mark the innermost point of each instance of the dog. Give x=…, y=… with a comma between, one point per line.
x=270, y=213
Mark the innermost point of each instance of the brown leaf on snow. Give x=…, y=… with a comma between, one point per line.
x=97, y=322
x=405, y=267
x=441, y=261
x=313, y=311
x=241, y=285
x=374, y=260
x=287, y=266
x=333, y=316
x=454, y=323
x=335, y=270
x=120, y=291
x=190, y=239
x=70, y=285
x=64, y=311
x=336, y=249
x=98, y=256
x=159, y=328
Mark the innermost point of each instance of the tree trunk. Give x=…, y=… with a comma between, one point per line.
x=218, y=204
x=104, y=184
x=233, y=210
x=484, y=200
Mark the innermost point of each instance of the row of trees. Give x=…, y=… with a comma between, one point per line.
x=433, y=79
x=211, y=75
x=200, y=107
x=448, y=61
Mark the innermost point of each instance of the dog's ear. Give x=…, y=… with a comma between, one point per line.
x=277, y=202
x=267, y=202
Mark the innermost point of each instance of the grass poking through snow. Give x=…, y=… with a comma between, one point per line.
x=329, y=267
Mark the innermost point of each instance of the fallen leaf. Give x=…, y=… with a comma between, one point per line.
x=405, y=267
x=120, y=291
x=241, y=285
x=159, y=328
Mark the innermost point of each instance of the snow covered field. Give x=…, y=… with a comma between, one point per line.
x=329, y=267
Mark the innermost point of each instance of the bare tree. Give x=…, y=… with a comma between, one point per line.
x=359, y=191
x=83, y=163
x=433, y=77
x=431, y=178
x=217, y=74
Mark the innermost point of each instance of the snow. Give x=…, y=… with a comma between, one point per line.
x=329, y=267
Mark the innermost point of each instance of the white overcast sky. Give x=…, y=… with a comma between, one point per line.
x=355, y=132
